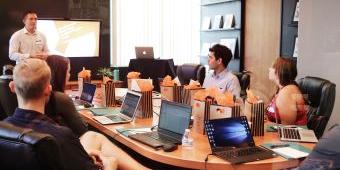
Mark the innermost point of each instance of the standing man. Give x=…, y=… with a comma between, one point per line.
x=28, y=42
x=221, y=77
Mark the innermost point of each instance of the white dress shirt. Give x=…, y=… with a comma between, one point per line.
x=23, y=43
x=224, y=81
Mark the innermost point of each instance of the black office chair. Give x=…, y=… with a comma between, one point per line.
x=244, y=79
x=8, y=100
x=25, y=149
x=320, y=96
x=186, y=72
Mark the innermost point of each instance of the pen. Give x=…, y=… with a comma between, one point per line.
x=279, y=145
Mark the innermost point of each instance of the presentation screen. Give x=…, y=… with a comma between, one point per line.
x=71, y=38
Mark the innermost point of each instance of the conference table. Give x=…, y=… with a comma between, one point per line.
x=193, y=157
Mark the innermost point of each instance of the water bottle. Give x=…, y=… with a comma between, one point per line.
x=115, y=73
x=187, y=141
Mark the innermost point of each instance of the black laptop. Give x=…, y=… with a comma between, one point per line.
x=87, y=95
x=174, y=118
x=230, y=139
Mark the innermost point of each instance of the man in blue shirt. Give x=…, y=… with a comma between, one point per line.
x=221, y=77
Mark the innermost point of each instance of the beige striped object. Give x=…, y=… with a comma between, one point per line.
x=255, y=115
x=188, y=95
x=172, y=93
x=145, y=106
x=108, y=94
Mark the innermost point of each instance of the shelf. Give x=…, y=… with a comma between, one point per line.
x=213, y=2
x=222, y=29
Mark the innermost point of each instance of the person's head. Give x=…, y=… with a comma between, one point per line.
x=283, y=71
x=29, y=18
x=31, y=80
x=219, y=56
x=60, y=71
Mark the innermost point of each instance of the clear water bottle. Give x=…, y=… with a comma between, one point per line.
x=187, y=141
x=115, y=73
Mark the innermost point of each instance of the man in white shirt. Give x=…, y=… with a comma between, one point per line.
x=28, y=42
x=221, y=77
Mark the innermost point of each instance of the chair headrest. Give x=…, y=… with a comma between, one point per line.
x=14, y=133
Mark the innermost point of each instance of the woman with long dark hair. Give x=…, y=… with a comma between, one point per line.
x=60, y=107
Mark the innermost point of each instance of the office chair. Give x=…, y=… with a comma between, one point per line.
x=186, y=72
x=25, y=149
x=244, y=79
x=320, y=96
x=8, y=100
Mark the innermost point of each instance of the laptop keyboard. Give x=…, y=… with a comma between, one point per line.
x=290, y=133
x=160, y=137
x=240, y=152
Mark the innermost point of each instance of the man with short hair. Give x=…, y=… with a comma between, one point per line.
x=28, y=42
x=221, y=77
x=31, y=83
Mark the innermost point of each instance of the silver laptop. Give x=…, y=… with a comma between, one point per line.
x=144, y=52
x=125, y=114
x=87, y=95
x=296, y=134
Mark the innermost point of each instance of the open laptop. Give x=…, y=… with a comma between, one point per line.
x=144, y=52
x=230, y=139
x=174, y=118
x=296, y=134
x=125, y=114
x=87, y=95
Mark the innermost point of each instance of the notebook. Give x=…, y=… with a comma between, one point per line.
x=144, y=52
x=231, y=139
x=296, y=134
x=174, y=118
x=125, y=114
x=87, y=95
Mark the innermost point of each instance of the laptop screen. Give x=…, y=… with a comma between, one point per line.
x=174, y=117
x=130, y=104
x=229, y=132
x=144, y=52
x=88, y=92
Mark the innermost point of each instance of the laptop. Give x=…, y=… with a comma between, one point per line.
x=87, y=95
x=296, y=134
x=231, y=140
x=144, y=52
x=125, y=114
x=174, y=118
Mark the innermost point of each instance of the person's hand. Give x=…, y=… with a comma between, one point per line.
x=96, y=159
x=40, y=55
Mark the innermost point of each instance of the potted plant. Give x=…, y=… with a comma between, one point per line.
x=106, y=73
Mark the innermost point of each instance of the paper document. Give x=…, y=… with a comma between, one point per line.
x=291, y=152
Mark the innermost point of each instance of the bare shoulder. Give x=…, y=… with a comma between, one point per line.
x=290, y=92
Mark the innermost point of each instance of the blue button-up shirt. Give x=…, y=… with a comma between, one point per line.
x=224, y=81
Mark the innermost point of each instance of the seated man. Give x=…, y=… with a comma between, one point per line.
x=31, y=83
x=221, y=78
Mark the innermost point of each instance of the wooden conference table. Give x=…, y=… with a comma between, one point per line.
x=191, y=157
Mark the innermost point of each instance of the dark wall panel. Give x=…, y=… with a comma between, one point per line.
x=10, y=16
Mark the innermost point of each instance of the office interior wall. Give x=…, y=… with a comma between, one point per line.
x=319, y=40
x=10, y=16
x=262, y=43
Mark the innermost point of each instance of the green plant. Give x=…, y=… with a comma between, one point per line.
x=105, y=72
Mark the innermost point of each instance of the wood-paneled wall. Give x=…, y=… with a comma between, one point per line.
x=262, y=43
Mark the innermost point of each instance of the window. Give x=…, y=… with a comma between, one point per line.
x=170, y=26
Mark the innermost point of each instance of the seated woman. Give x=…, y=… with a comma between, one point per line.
x=60, y=107
x=287, y=106
x=63, y=111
